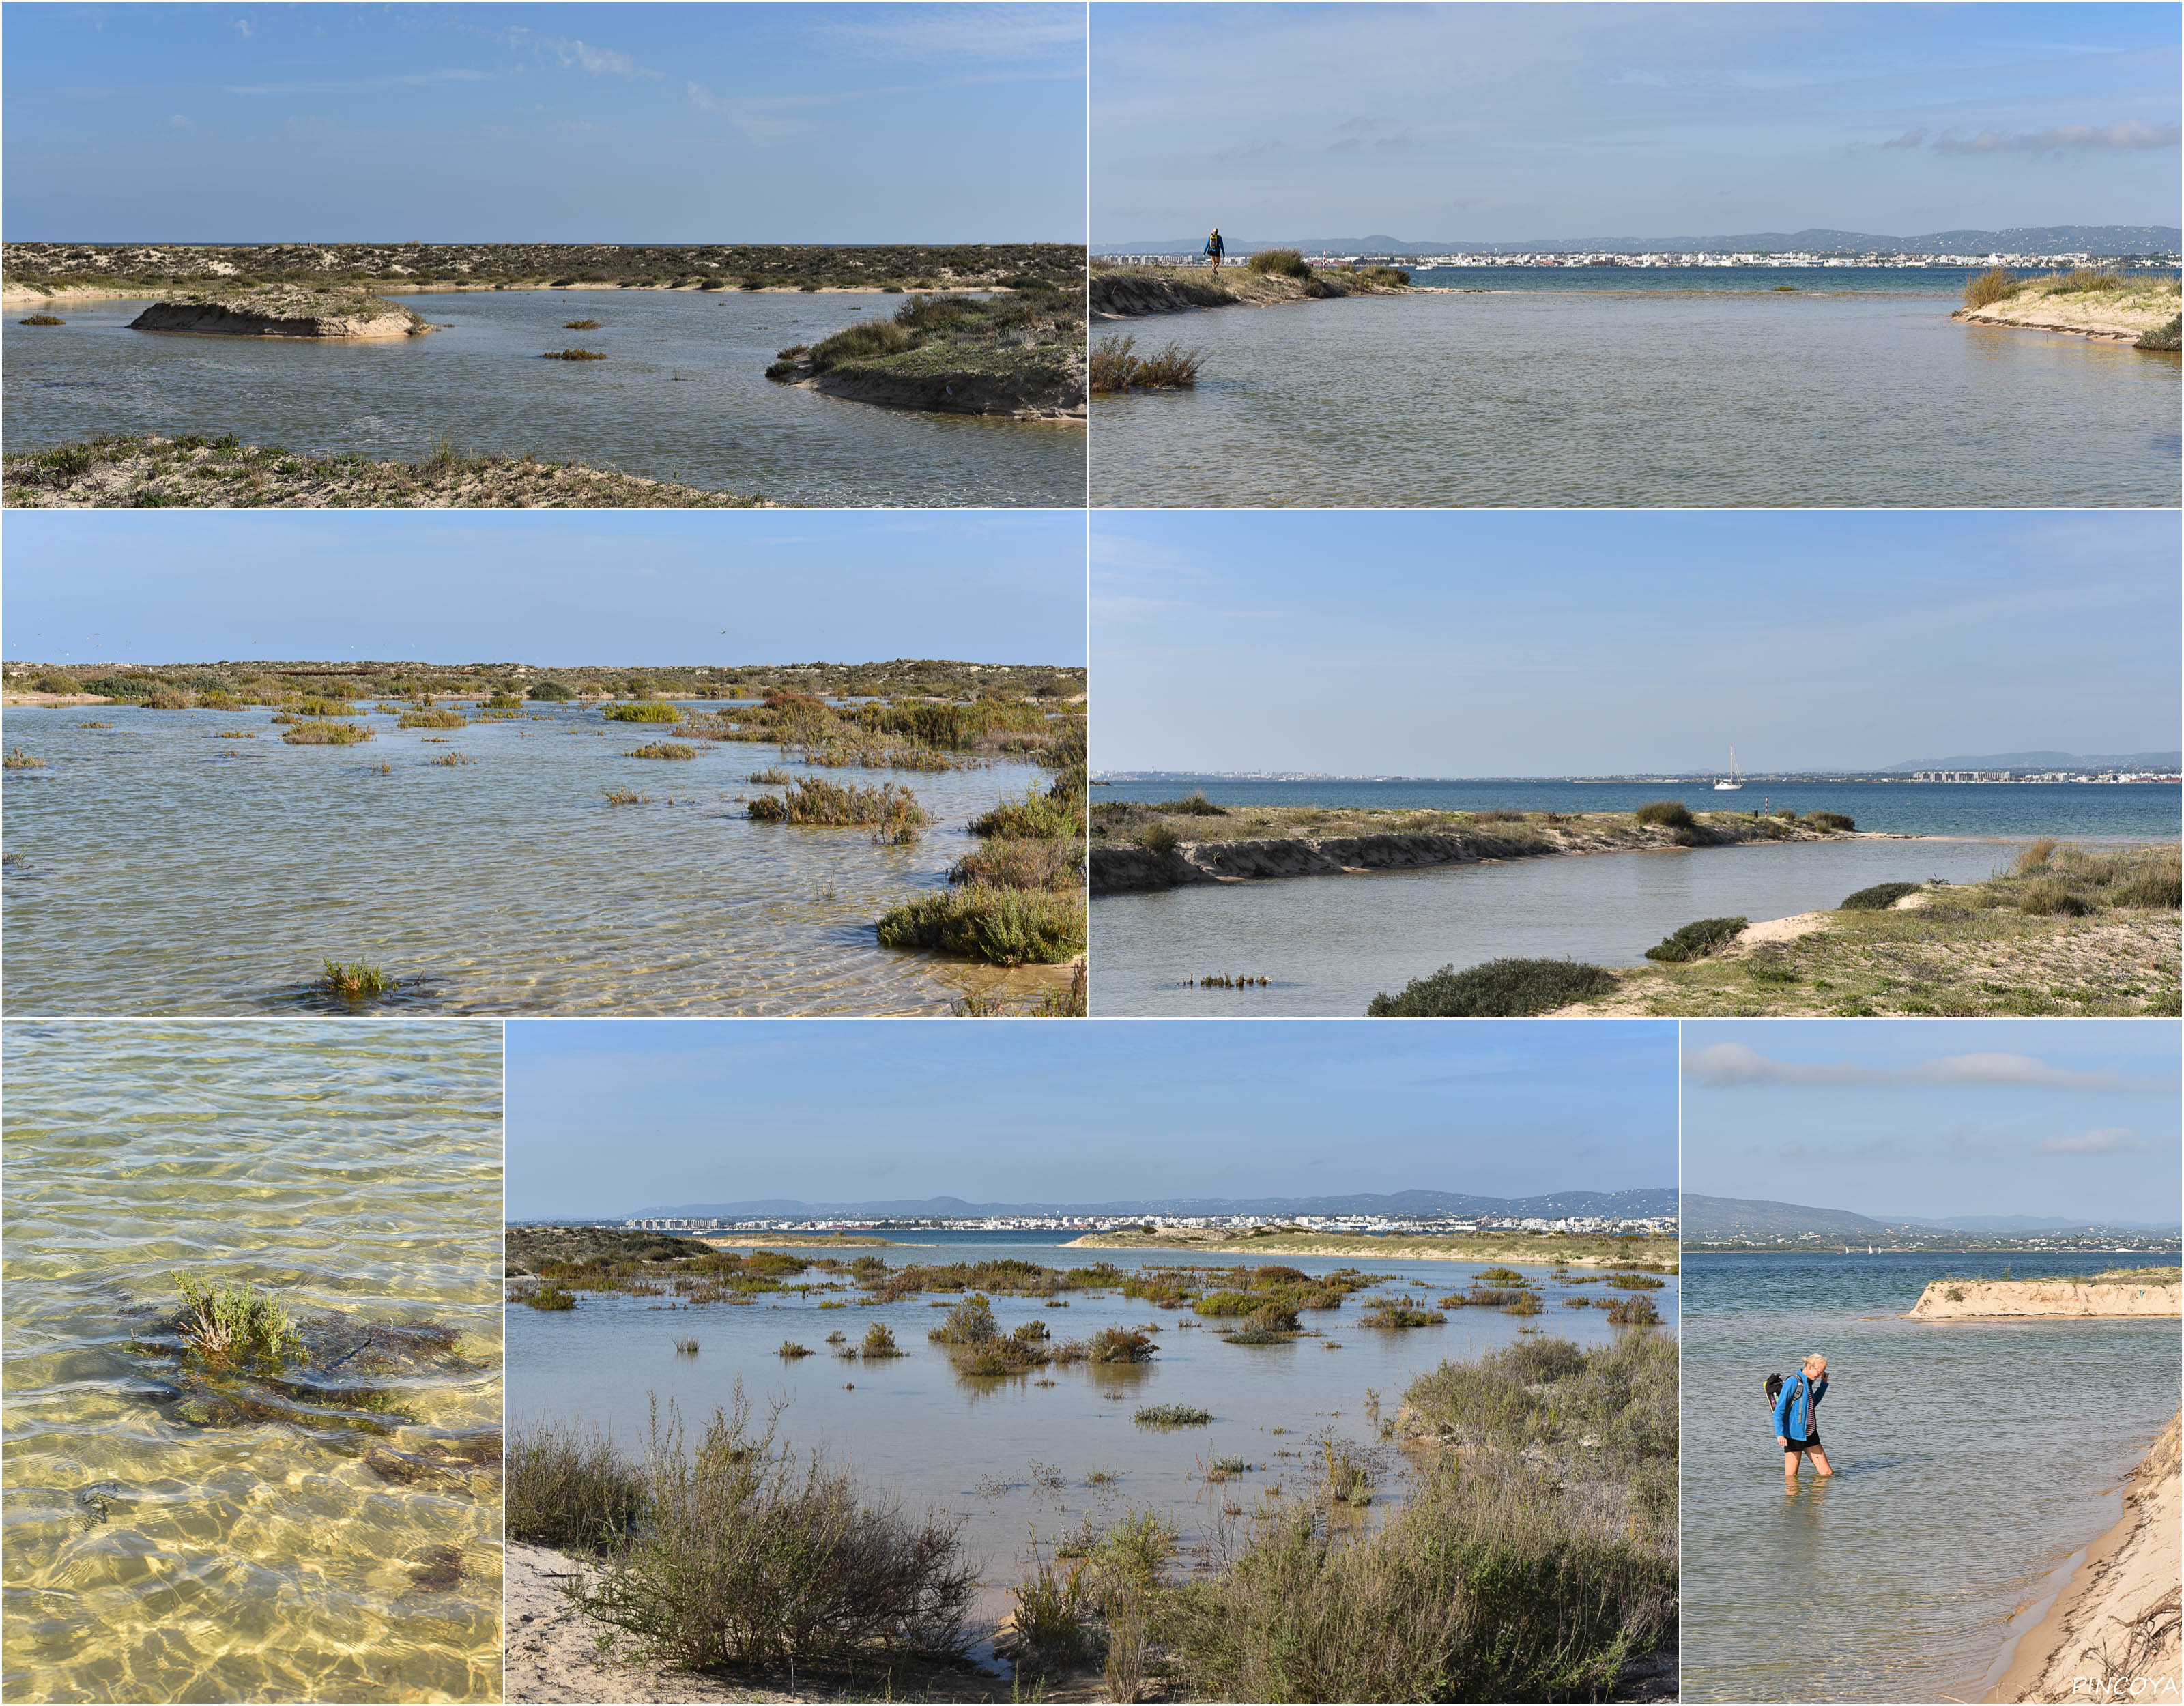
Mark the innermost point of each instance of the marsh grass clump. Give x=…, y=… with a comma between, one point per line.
x=1024, y=865
x=1171, y=1415
x=770, y=777
x=550, y=1297
x=1279, y=263
x=1117, y=367
x=358, y=982
x=570, y=1488
x=41, y=319
x=1036, y=817
x=448, y=760
x=790, y=1351
x=662, y=749
x=983, y=921
x=1836, y=821
x=1880, y=898
x=226, y=1323
x=551, y=691
x=753, y=1556
x=2168, y=337
x=1995, y=284
x=814, y=800
x=879, y=1343
x=1633, y=1312
x=439, y=718
x=575, y=355
x=323, y=733
x=1496, y=989
x=627, y=797
x=580, y=325
x=18, y=760
x=1698, y=939
x=1673, y=814
x=644, y=711
x=1394, y=1315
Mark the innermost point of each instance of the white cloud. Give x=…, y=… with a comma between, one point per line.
x=1724, y=1065
x=2109, y=1140
x=179, y=122
x=599, y=61
x=243, y=24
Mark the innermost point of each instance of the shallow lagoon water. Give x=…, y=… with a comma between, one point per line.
x=352, y=1170
x=1642, y=396
x=978, y=1448
x=156, y=867
x=682, y=396
x=1331, y=943
x=1972, y=1458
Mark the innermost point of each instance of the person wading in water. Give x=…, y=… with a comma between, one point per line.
x=1214, y=248
x=1797, y=1421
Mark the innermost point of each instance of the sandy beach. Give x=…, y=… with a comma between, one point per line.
x=2112, y=1633
x=1973, y=1300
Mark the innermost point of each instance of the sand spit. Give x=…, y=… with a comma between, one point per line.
x=1974, y=1300
x=351, y=316
x=1128, y=293
x=1386, y=1249
x=2112, y=1634
x=955, y=392
x=1125, y=869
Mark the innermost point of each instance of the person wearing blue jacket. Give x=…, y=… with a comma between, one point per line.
x=1797, y=1420
x=1214, y=249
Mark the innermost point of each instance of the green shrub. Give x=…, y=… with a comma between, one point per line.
x=648, y=711
x=327, y=735
x=1880, y=898
x=548, y=1298
x=1830, y=820
x=576, y=355
x=357, y=982
x=1159, y=838
x=1283, y=263
x=171, y=699
x=753, y=1556
x=1698, y=939
x=551, y=691
x=50, y=682
x=1665, y=814
x=816, y=801
x=1992, y=286
x=569, y=1489
x=1036, y=817
x=2157, y=886
x=1001, y=926
x=2050, y=897
x=1171, y=1415
x=1496, y=989
x=439, y=719
x=867, y=341
x=225, y=1323
x=2168, y=336
x=663, y=749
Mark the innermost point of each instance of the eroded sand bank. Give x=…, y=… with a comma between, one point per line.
x=1958, y=1300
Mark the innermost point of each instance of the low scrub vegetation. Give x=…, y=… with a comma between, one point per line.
x=226, y=1323
x=1665, y=814
x=1117, y=366
x=433, y=718
x=1995, y=285
x=576, y=355
x=1171, y=1415
x=662, y=749
x=1496, y=989
x=1696, y=940
x=570, y=1488
x=644, y=711
x=1280, y=263
x=358, y=982
x=816, y=801
x=327, y=734
x=1880, y=898
x=1001, y=926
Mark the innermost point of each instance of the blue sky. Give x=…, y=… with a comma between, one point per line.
x=1500, y=123
x=1937, y=1118
x=625, y=123
x=608, y=1116
x=1484, y=643
x=547, y=586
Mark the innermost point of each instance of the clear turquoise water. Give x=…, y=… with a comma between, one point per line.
x=1972, y=1458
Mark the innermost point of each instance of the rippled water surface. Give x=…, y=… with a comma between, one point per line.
x=157, y=868
x=1971, y=1458
x=1332, y=943
x=1644, y=397
x=1009, y=1454
x=351, y=1171
x=682, y=396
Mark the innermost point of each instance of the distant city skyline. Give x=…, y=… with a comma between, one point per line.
x=1500, y=643
x=634, y=123
x=607, y=1117
x=549, y=587
x=1500, y=123
x=1931, y=1119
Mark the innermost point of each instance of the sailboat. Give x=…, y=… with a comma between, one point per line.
x=1734, y=781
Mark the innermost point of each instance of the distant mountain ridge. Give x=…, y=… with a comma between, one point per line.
x=1740, y=1217
x=2093, y=240
x=2048, y=761
x=1606, y=1204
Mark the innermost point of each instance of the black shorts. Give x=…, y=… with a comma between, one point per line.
x=1810, y=1442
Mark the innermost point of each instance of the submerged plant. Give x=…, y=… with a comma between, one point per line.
x=663, y=749
x=225, y=1323
x=358, y=982
x=18, y=760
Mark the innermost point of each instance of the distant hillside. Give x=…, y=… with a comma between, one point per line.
x=2093, y=240
x=1715, y=1218
x=2048, y=761
x=1623, y=1204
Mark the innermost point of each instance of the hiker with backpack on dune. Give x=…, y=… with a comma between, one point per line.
x=1796, y=1403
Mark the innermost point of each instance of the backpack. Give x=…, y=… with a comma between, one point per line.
x=1773, y=1390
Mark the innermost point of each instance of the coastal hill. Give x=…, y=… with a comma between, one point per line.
x=2019, y=240
x=2168, y=760
x=1733, y=1219
x=1642, y=1204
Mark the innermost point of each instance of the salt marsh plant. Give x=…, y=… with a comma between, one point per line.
x=576, y=355
x=791, y=1351
x=644, y=711
x=226, y=1323
x=440, y=719
x=627, y=797
x=1673, y=814
x=1171, y=1415
x=323, y=733
x=753, y=1556
x=570, y=1488
x=1697, y=941
x=879, y=1341
x=980, y=920
x=357, y=982
x=1995, y=285
x=18, y=760
x=816, y=801
x=1880, y=898
x=1496, y=989
x=580, y=325
x=1279, y=263
x=550, y=1298
x=663, y=749
x=1633, y=1312
x=1117, y=366
x=1393, y=1313
x=41, y=319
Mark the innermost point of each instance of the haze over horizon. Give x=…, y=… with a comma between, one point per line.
x=860, y=1110
x=1502, y=123
x=1627, y=642
x=527, y=124
x=1935, y=1119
